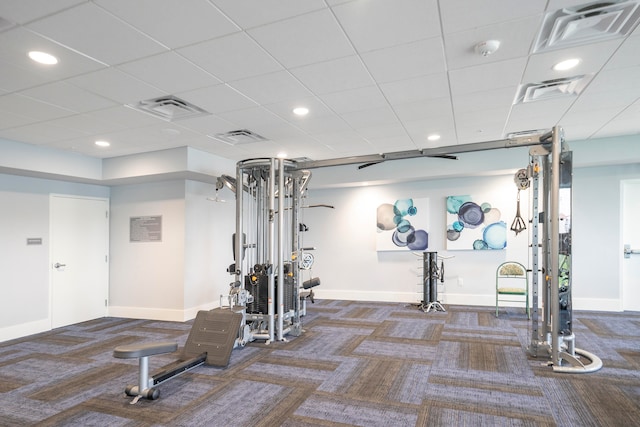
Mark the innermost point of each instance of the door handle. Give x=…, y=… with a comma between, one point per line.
x=628, y=251
x=58, y=265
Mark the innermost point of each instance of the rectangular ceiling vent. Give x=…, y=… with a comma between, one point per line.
x=588, y=23
x=169, y=108
x=551, y=89
x=239, y=137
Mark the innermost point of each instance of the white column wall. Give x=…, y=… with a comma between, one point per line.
x=147, y=278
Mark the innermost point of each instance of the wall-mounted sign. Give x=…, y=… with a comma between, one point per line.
x=145, y=228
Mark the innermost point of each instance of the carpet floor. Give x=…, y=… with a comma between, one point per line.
x=356, y=364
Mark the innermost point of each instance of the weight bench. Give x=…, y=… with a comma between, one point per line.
x=210, y=341
x=308, y=285
x=142, y=352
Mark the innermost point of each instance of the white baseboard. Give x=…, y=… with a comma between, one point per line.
x=587, y=304
x=168, y=314
x=597, y=304
x=24, y=329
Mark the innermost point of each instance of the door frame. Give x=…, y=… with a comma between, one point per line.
x=623, y=286
x=51, y=245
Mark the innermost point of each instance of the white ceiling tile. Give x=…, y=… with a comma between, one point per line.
x=584, y=124
x=514, y=37
x=32, y=108
x=252, y=13
x=334, y=75
x=17, y=42
x=16, y=78
x=537, y=115
x=207, y=125
x=433, y=110
x=249, y=117
x=460, y=15
x=40, y=133
x=83, y=123
x=599, y=99
x=284, y=109
x=115, y=85
x=173, y=24
x=68, y=96
x=232, y=57
x=593, y=57
x=306, y=39
x=216, y=99
x=23, y=11
x=169, y=72
x=96, y=33
x=320, y=124
x=376, y=24
x=122, y=117
x=488, y=99
x=421, y=129
x=406, y=60
x=363, y=98
x=487, y=77
x=393, y=143
x=9, y=119
x=627, y=54
x=416, y=89
x=371, y=117
x=272, y=88
x=383, y=131
x=616, y=79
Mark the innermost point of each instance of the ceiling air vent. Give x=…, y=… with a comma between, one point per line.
x=587, y=23
x=550, y=89
x=169, y=108
x=238, y=137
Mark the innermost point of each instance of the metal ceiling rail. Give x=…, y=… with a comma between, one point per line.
x=449, y=150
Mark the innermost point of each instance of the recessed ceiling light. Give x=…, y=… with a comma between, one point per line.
x=433, y=137
x=282, y=155
x=102, y=143
x=43, y=57
x=301, y=111
x=567, y=64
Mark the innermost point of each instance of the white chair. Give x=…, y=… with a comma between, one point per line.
x=512, y=284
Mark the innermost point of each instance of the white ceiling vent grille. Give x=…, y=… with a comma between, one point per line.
x=169, y=108
x=551, y=89
x=239, y=137
x=587, y=23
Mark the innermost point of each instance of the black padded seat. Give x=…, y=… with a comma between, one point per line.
x=143, y=350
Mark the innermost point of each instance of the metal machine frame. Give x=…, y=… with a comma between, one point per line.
x=550, y=151
x=267, y=247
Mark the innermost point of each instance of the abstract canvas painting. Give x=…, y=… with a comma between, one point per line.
x=402, y=225
x=473, y=223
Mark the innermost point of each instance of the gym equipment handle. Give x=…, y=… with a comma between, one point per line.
x=58, y=265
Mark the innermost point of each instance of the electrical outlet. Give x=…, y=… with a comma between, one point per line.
x=460, y=282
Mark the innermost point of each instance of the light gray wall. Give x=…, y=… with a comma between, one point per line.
x=25, y=270
x=350, y=267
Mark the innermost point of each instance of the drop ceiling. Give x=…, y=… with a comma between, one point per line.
x=377, y=76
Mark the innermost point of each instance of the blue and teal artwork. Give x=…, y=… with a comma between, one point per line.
x=473, y=225
x=402, y=225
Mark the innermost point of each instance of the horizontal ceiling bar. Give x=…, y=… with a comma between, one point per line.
x=521, y=141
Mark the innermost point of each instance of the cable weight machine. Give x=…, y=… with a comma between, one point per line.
x=551, y=331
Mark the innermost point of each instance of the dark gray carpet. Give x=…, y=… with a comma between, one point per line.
x=357, y=364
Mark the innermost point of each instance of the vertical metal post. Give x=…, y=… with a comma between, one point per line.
x=535, y=256
x=295, y=230
x=271, y=248
x=554, y=268
x=281, y=248
x=238, y=238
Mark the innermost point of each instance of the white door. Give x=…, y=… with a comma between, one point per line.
x=631, y=237
x=79, y=262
